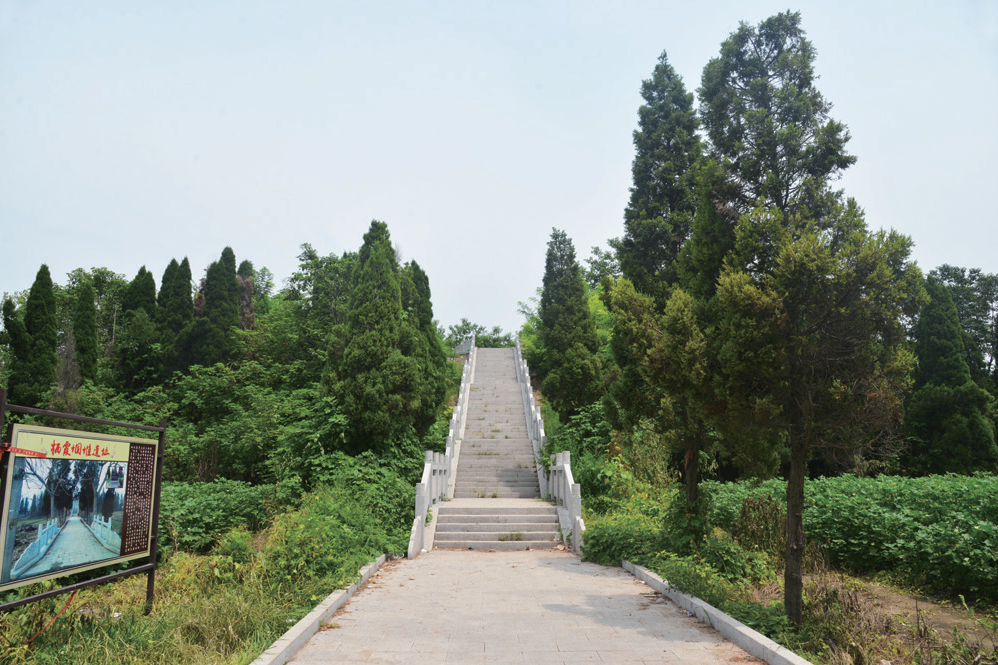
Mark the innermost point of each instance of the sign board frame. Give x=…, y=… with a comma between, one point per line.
x=123, y=532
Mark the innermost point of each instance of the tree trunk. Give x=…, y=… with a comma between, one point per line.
x=692, y=471
x=793, y=582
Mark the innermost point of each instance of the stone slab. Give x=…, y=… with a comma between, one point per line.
x=512, y=607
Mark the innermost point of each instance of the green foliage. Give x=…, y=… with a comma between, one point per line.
x=34, y=345
x=176, y=304
x=193, y=516
x=236, y=544
x=140, y=354
x=376, y=364
x=571, y=369
x=762, y=527
x=949, y=415
x=770, y=620
x=141, y=294
x=975, y=295
x=939, y=531
x=767, y=122
x=485, y=338
x=693, y=577
x=657, y=218
x=329, y=538
x=735, y=563
x=85, y=331
x=621, y=536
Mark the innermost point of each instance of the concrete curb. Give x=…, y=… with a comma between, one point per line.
x=285, y=648
x=752, y=642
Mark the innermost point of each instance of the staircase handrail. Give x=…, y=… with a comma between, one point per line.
x=438, y=468
x=535, y=423
x=567, y=495
x=466, y=345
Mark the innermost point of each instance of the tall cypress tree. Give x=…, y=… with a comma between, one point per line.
x=571, y=369
x=658, y=215
x=36, y=359
x=368, y=372
x=221, y=293
x=176, y=305
x=20, y=344
x=85, y=331
x=141, y=294
x=948, y=426
x=421, y=341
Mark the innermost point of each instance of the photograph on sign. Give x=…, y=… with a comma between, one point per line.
x=73, y=501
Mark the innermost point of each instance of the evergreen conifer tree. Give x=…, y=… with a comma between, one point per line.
x=141, y=294
x=571, y=369
x=658, y=216
x=20, y=344
x=947, y=419
x=368, y=372
x=35, y=343
x=85, y=331
x=422, y=341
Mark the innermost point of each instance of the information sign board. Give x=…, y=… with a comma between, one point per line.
x=74, y=501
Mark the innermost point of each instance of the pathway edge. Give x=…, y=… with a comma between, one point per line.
x=286, y=646
x=751, y=641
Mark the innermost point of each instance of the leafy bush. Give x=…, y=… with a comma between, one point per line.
x=610, y=539
x=938, y=530
x=194, y=516
x=770, y=620
x=387, y=496
x=726, y=498
x=762, y=527
x=237, y=545
x=329, y=539
x=695, y=578
x=735, y=563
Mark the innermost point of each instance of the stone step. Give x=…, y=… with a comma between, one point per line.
x=511, y=536
x=508, y=475
x=494, y=486
x=498, y=494
x=497, y=519
x=499, y=545
x=546, y=527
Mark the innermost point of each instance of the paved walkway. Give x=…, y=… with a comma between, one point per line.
x=512, y=607
x=74, y=546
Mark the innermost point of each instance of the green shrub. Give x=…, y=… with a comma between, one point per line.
x=735, y=563
x=938, y=530
x=194, y=516
x=695, y=578
x=770, y=620
x=237, y=545
x=762, y=527
x=610, y=539
x=329, y=539
x=386, y=494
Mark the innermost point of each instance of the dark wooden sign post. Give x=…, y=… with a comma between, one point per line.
x=7, y=453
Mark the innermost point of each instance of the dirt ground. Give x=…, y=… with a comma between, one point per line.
x=940, y=617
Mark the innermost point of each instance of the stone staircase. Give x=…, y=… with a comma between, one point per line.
x=496, y=501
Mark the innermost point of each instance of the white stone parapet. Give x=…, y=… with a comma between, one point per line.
x=436, y=483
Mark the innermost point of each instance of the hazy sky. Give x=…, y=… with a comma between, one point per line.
x=134, y=132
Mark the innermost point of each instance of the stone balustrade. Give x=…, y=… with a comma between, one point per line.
x=103, y=532
x=35, y=551
x=438, y=468
x=535, y=423
x=567, y=495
